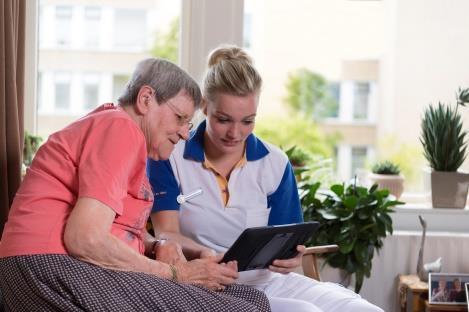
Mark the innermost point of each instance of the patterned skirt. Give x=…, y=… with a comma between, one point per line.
x=62, y=283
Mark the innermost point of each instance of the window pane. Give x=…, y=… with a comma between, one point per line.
x=62, y=91
x=91, y=91
x=360, y=103
x=93, y=26
x=129, y=28
x=88, y=49
x=382, y=62
x=358, y=159
x=63, y=25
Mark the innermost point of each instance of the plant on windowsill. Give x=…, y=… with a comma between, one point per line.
x=31, y=145
x=355, y=218
x=308, y=166
x=298, y=159
x=445, y=148
x=387, y=175
x=297, y=156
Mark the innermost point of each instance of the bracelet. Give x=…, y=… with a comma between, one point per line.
x=174, y=273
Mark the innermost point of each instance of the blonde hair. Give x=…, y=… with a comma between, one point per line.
x=230, y=70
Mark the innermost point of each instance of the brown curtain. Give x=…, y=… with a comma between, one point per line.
x=12, y=40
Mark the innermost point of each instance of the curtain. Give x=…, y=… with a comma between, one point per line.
x=12, y=42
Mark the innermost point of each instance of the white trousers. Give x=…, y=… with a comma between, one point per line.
x=294, y=292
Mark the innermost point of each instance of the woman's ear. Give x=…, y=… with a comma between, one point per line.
x=143, y=100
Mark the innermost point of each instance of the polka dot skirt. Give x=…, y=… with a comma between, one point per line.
x=62, y=283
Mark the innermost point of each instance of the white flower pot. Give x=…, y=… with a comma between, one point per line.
x=394, y=183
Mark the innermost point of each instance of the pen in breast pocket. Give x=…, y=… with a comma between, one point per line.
x=183, y=198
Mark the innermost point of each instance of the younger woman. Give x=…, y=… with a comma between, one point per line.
x=245, y=183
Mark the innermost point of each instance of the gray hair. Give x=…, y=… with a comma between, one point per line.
x=166, y=78
x=230, y=70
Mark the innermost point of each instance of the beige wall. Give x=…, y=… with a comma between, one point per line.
x=353, y=134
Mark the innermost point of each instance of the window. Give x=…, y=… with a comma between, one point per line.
x=92, y=26
x=129, y=29
x=80, y=56
x=62, y=91
x=364, y=58
x=360, y=100
x=359, y=155
x=63, y=25
x=91, y=91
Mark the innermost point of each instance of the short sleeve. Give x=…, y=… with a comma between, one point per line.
x=285, y=201
x=110, y=154
x=164, y=185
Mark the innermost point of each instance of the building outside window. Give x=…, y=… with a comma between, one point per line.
x=90, y=91
x=358, y=159
x=87, y=51
x=129, y=29
x=62, y=91
x=92, y=27
x=361, y=100
x=63, y=25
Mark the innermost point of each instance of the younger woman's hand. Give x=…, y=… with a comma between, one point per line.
x=207, y=253
x=288, y=265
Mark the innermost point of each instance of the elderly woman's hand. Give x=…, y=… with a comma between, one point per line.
x=169, y=252
x=208, y=272
x=288, y=265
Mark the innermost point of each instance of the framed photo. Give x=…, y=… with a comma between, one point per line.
x=446, y=288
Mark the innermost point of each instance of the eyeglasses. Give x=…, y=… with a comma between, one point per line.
x=182, y=118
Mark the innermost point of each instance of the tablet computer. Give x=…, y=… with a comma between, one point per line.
x=256, y=248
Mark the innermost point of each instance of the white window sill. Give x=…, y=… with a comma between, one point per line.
x=405, y=218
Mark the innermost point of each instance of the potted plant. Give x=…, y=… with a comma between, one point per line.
x=297, y=156
x=298, y=159
x=387, y=175
x=445, y=148
x=355, y=218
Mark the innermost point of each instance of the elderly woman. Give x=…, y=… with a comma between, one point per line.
x=75, y=238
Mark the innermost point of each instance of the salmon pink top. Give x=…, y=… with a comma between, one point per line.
x=101, y=156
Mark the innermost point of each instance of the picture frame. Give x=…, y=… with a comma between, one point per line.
x=448, y=288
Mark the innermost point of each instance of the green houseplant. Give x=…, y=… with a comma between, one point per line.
x=308, y=166
x=386, y=167
x=387, y=175
x=31, y=145
x=297, y=156
x=445, y=148
x=355, y=218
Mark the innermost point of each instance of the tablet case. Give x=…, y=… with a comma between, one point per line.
x=256, y=248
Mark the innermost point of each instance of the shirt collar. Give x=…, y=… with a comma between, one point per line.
x=194, y=148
